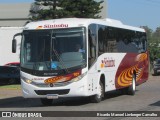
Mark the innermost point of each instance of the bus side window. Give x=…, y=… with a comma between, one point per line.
x=144, y=43
x=92, y=42
x=92, y=47
x=93, y=52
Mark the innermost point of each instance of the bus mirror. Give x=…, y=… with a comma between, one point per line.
x=14, y=45
x=14, y=42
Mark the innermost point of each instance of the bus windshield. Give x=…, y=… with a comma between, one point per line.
x=46, y=50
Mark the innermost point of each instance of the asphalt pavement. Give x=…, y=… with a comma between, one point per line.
x=147, y=98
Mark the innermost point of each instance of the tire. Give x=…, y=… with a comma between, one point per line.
x=98, y=97
x=132, y=88
x=46, y=102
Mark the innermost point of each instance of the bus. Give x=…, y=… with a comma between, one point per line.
x=78, y=57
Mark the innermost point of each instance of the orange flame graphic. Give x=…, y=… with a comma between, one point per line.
x=125, y=78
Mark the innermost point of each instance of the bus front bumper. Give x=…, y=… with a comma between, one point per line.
x=74, y=89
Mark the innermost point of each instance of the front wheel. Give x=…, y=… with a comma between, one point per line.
x=98, y=97
x=46, y=102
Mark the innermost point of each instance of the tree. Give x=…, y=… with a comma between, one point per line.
x=47, y=9
x=82, y=8
x=156, y=39
x=51, y=9
x=156, y=36
x=153, y=42
x=149, y=32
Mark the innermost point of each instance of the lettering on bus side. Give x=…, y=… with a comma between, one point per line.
x=107, y=62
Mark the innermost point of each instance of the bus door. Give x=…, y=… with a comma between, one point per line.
x=92, y=57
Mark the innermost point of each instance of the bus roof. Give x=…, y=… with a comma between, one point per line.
x=77, y=22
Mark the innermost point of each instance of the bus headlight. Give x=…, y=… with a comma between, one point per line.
x=29, y=81
x=26, y=80
x=78, y=78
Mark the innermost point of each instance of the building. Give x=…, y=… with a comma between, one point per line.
x=16, y=15
x=104, y=10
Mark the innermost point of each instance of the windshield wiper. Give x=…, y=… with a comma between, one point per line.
x=58, y=56
x=60, y=60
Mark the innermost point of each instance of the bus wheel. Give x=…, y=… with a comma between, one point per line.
x=98, y=97
x=46, y=102
x=132, y=89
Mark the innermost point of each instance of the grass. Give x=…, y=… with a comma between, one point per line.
x=11, y=87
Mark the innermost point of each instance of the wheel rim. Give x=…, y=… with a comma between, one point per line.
x=133, y=84
x=100, y=90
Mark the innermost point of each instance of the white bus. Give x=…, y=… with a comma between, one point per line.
x=75, y=57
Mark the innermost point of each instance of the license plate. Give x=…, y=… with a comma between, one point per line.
x=52, y=96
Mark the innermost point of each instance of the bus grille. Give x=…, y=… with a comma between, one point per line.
x=45, y=92
x=48, y=85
